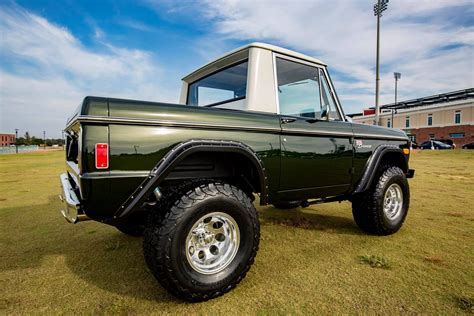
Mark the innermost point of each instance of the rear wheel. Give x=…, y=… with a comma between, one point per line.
x=204, y=244
x=383, y=208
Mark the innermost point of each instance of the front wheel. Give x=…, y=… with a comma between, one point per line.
x=203, y=246
x=383, y=208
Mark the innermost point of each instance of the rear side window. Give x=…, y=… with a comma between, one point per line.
x=226, y=85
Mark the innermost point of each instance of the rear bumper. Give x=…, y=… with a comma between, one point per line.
x=72, y=209
x=410, y=173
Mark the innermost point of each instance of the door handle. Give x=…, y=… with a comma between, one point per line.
x=286, y=120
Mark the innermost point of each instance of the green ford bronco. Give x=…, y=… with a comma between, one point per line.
x=260, y=122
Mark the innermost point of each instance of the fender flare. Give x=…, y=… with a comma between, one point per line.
x=177, y=154
x=373, y=163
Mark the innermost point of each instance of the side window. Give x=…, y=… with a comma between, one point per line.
x=225, y=86
x=327, y=100
x=298, y=89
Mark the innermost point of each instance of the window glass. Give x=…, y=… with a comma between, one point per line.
x=227, y=85
x=457, y=117
x=457, y=135
x=407, y=121
x=298, y=89
x=328, y=100
x=388, y=123
x=430, y=120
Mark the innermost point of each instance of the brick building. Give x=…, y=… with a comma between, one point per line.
x=7, y=140
x=443, y=116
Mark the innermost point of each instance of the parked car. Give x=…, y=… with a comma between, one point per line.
x=468, y=146
x=434, y=144
x=447, y=142
x=260, y=120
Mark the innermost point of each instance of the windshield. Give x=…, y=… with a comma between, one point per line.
x=226, y=85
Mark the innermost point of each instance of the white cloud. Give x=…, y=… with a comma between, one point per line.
x=52, y=71
x=342, y=33
x=137, y=25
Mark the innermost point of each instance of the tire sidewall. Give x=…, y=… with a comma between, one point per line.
x=396, y=176
x=179, y=262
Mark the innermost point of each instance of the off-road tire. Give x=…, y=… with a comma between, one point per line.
x=164, y=242
x=134, y=230
x=287, y=205
x=368, y=207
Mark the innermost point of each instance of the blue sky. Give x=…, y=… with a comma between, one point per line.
x=53, y=53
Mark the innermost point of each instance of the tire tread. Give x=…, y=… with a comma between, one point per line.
x=162, y=224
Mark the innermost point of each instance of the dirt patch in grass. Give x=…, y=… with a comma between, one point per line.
x=465, y=303
x=455, y=214
x=433, y=259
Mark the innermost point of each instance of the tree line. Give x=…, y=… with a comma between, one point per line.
x=32, y=140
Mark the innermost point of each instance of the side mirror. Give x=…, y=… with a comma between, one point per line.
x=324, y=112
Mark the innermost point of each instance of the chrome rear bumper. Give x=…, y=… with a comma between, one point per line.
x=72, y=210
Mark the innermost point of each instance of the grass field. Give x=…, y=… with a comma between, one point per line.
x=310, y=260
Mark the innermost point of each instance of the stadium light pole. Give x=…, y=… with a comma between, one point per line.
x=16, y=140
x=397, y=76
x=379, y=7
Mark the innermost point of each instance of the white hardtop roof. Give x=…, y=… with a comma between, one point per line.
x=270, y=47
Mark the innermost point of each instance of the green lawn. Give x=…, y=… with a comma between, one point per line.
x=309, y=259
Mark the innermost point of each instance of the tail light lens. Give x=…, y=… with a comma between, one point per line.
x=101, y=156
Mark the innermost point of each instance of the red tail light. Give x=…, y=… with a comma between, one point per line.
x=101, y=156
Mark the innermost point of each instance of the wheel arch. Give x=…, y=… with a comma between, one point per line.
x=382, y=155
x=178, y=154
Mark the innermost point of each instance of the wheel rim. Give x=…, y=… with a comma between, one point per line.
x=212, y=243
x=393, y=202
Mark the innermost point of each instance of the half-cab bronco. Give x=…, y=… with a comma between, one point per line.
x=261, y=121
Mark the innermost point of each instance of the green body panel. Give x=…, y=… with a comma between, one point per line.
x=363, y=153
x=94, y=190
x=302, y=159
x=135, y=150
x=95, y=107
x=314, y=164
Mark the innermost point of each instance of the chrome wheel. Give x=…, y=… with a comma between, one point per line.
x=212, y=243
x=393, y=202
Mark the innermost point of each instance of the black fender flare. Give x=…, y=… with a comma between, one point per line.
x=373, y=163
x=177, y=154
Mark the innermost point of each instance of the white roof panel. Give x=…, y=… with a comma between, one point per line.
x=273, y=48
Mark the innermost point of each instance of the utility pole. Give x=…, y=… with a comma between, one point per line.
x=397, y=76
x=379, y=7
x=16, y=140
x=44, y=139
